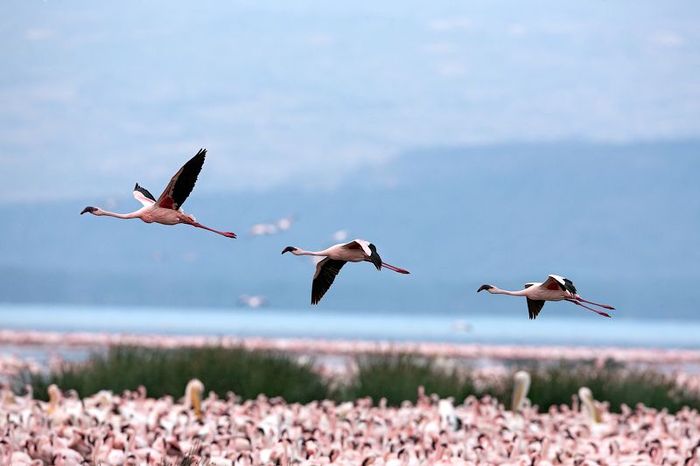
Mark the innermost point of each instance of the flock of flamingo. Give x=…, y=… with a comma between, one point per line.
x=167, y=210
x=133, y=429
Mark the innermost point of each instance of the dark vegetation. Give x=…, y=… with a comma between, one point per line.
x=167, y=371
x=397, y=377
x=613, y=383
x=394, y=377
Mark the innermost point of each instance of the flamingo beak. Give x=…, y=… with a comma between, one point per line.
x=288, y=249
x=88, y=209
x=484, y=287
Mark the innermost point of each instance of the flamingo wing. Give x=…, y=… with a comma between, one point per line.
x=368, y=248
x=142, y=195
x=556, y=282
x=534, y=306
x=360, y=244
x=326, y=271
x=182, y=183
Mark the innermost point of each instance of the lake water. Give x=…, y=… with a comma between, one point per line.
x=547, y=329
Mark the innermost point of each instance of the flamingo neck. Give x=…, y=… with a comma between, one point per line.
x=591, y=409
x=107, y=213
x=522, y=386
x=496, y=290
x=132, y=443
x=302, y=252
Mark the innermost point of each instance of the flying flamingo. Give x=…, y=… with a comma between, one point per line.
x=336, y=256
x=555, y=288
x=167, y=209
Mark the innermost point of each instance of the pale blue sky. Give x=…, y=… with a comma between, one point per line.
x=95, y=96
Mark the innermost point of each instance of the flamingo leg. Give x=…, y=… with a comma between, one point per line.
x=604, y=306
x=604, y=314
x=395, y=269
x=227, y=234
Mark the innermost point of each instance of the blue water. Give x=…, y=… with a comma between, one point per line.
x=548, y=329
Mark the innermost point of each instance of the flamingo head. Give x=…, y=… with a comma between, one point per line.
x=484, y=287
x=289, y=249
x=90, y=210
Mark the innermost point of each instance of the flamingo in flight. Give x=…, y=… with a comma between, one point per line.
x=335, y=257
x=167, y=208
x=555, y=288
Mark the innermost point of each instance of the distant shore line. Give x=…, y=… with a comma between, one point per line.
x=355, y=347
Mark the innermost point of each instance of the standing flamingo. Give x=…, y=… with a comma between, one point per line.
x=555, y=288
x=336, y=256
x=167, y=209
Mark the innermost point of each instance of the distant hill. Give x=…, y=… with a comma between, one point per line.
x=622, y=220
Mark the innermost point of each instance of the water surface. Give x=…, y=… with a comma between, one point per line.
x=548, y=329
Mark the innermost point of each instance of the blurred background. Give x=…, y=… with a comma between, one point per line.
x=472, y=143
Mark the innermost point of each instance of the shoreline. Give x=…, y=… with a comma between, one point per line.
x=325, y=347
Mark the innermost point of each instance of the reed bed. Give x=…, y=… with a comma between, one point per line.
x=394, y=378
x=167, y=371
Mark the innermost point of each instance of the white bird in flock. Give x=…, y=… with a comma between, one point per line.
x=266, y=229
x=285, y=223
x=193, y=396
x=448, y=414
x=555, y=288
x=253, y=302
x=461, y=326
x=521, y=387
x=588, y=405
x=340, y=235
x=336, y=257
x=166, y=209
x=263, y=229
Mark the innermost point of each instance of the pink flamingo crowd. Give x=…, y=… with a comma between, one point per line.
x=133, y=429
